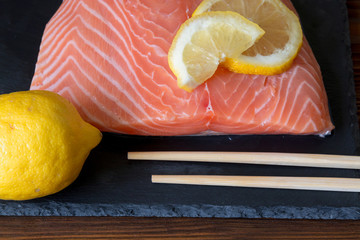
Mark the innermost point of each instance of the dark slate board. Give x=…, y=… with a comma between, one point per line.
x=111, y=185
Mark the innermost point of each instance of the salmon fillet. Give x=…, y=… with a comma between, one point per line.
x=109, y=58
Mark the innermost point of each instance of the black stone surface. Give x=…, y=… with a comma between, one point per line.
x=111, y=185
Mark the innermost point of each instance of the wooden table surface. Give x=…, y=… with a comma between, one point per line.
x=191, y=228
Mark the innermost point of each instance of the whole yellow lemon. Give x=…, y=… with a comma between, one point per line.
x=44, y=143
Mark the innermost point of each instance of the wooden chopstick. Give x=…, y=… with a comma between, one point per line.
x=299, y=183
x=285, y=159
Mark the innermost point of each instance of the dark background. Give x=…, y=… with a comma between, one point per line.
x=108, y=178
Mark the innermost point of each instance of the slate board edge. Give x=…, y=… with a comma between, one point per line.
x=351, y=87
x=286, y=212
x=134, y=210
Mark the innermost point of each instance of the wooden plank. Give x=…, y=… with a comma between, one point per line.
x=173, y=228
x=185, y=228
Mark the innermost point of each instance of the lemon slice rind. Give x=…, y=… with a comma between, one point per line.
x=276, y=63
x=212, y=28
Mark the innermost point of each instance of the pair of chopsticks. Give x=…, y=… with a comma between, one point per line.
x=284, y=159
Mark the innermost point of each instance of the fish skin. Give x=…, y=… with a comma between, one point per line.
x=109, y=58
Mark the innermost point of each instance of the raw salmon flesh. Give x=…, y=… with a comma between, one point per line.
x=109, y=58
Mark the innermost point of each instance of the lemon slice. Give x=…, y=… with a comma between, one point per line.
x=206, y=40
x=276, y=50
